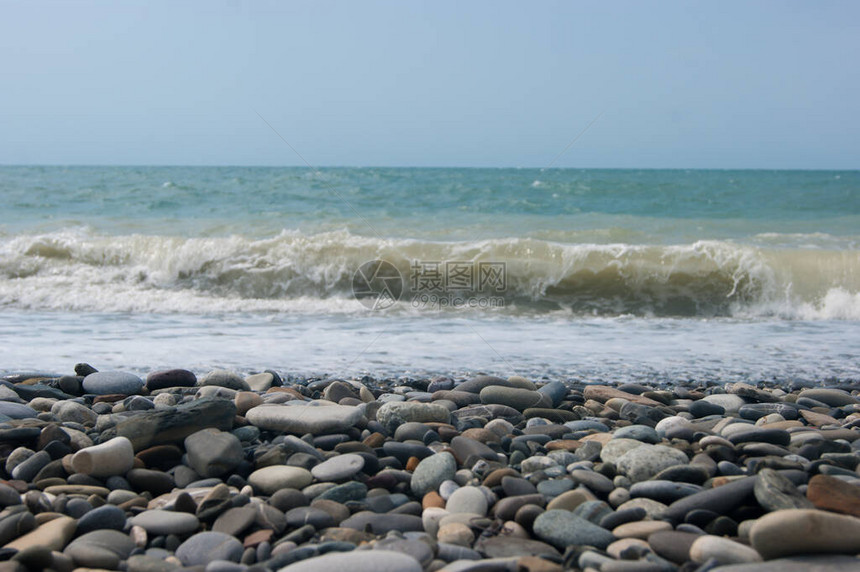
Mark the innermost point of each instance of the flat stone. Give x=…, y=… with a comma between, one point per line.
x=393, y=414
x=774, y=491
x=832, y=397
x=271, y=479
x=721, y=500
x=103, y=517
x=562, y=528
x=173, y=425
x=103, y=549
x=673, y=545
x=164, y=522
x=833, y=494
x=17, y=410
x=357, y=561
x=641, y=529
x=236, y=520
x=519, y=399
x=338, y=468
x=507, y=546
x=801, y=531
x=112, y=382
x=383, y=523
x=797, y=564
x=205, y=547
x=302, y=419
x=722, y=551
x=663, y=491
x=603, y=393
x=71, y=411
x=54, y=535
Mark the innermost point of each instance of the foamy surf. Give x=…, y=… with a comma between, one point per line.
x=294, y=272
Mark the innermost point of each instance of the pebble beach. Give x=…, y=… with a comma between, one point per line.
x=222, y=471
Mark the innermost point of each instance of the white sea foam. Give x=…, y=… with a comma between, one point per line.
x=293, y=272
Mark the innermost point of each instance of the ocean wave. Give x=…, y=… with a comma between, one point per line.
x=83, y=270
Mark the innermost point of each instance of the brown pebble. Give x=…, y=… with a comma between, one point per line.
x=374, y=440
x=563, y=445
x=412, y=463
x=258, y=537
x=830, y=493
x=432, y=499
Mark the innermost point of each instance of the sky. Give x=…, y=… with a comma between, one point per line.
x=662, y=84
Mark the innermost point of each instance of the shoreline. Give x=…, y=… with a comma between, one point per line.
x=225, y=471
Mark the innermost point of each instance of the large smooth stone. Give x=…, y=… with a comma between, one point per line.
x=17, y=410
x=357, y=561
x=301, y=419
x=170, y=378
x=383, y=523
x=562, y=528
x=204, y=547
x=722, y=550
x=393, y=414
x=113, y=457
x=830, y=493
x=53, y=535
x=722, y=499
x=112, y=382
x=774, y=491
x=642, y=463
x=104, y=517
x=103, y=549
x=432, y=472
x=802, y=531
x=269, y=480
x=832, y=397
x=519, y=399
x=467, y=500
x=213, y=453
x=339, y=467
x=163, y=522
x=173, y=425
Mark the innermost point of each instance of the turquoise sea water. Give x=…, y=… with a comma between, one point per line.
x=607, y=274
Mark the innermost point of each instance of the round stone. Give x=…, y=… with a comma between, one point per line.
x=112, y=382
x=467, y=500
x=644, y=462
x=338, y=468
x=271, y=479
x=562, y=528
x=103, y=549
x=205, y=547
x=432, y=472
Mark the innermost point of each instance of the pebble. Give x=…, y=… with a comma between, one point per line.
x=267, y=473
x=800, y=531
x=112, y=383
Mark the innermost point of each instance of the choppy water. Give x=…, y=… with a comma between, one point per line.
x=598, y=274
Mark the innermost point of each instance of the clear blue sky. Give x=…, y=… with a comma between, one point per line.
x=480, y=83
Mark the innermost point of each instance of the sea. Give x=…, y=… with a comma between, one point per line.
x=604, y=276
